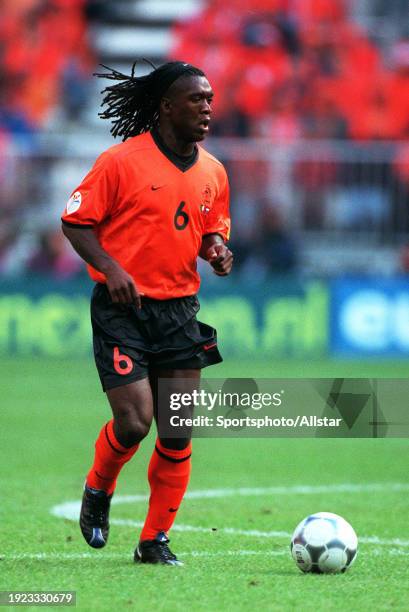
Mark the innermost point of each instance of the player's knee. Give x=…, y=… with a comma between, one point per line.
x=175, y=443
x=139, y=429
x=134, y=431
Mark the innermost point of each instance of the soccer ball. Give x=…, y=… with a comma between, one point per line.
x=324, y=543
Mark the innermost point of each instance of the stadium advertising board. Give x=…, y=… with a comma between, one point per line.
x=345, y=318
x=288, y=319
x=369, y=317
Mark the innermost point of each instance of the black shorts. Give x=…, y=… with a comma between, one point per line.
x=162, y=334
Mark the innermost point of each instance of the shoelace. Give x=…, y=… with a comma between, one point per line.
x=166, y=553
x=98, y=511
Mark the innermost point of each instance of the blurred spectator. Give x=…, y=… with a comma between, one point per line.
x=398, y=87
x=13, y=120
x=53, y=257
x=401, y=186
x=74, y=89
x=276, y=249
x=315, y=178
x=401, y=164
x=324, y=121
x=282, y=122
x=267, y=247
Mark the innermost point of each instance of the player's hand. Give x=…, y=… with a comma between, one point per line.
x=220, y=258
x=122, y=287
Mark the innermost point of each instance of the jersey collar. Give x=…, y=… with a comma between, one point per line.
x=182, y=162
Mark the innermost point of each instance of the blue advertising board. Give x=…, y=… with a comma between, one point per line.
x=369, y=317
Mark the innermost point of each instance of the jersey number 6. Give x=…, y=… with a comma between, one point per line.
x=181, y=218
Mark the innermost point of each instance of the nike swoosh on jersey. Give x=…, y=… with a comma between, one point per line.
x=155, y=187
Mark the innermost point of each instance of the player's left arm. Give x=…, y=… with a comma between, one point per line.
x=216, y=252
x=217, y=229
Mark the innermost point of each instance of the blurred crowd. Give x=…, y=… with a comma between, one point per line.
x=303, y=70
x=290, y=69
x=45, y=64
x=45, y=61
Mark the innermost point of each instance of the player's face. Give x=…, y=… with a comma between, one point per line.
x=190, y=108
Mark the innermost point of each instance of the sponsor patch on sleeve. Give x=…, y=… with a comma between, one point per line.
x=74, y=203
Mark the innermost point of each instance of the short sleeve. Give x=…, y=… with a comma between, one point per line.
x=218, y=219
x=91, y=202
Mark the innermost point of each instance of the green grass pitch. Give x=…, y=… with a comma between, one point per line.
x=50, y=415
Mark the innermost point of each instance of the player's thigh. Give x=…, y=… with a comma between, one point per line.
x=173, y=381
x=132, y=406
x=167, y=383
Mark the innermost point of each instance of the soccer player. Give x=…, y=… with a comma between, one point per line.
x=140, y=218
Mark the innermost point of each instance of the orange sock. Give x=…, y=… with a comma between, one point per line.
x=110, y=457
x=168, y=474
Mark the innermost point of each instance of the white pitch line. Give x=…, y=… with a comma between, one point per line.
x=293, y=490
x=256, y=533
x=70, y=510
x=104, y=556
x=110, y=556
x=196, y=529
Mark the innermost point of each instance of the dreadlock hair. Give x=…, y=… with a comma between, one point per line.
x=133, y=103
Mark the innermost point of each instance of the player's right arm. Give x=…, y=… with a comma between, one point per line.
x=89, y=205
x=120, y=284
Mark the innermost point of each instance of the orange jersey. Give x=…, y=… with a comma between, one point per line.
x=150, y=212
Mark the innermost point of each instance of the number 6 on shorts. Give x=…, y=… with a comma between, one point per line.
x=119, y=360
